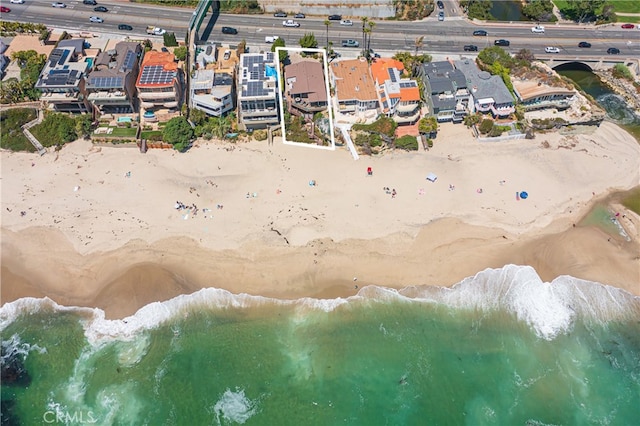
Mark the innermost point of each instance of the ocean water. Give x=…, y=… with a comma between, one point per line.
x=500, y=348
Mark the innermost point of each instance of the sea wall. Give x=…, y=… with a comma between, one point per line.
x=356, y=8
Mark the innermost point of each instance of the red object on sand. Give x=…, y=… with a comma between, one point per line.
x=369, y=171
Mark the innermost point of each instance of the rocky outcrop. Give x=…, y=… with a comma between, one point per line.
x=622, y=87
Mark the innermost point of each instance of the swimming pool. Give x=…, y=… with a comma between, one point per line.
x=89, y=61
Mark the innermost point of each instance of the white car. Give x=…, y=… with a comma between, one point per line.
x=17, y=1
x=347, y=22
x=96, y=19
x=538, y=29
x=551, y=49
x=58, y=4
x=290, y=23
x=270, y=39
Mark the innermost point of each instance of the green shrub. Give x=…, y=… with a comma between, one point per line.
x=56, y=129
x=408, y=142
x=485, y=126
x=260, y=135
x=622, y=71
x=11, y=135
x=170, y=39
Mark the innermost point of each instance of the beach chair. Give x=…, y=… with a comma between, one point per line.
x=369, y=171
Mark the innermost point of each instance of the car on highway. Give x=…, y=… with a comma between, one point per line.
x=628, y=26
x=481, y=33
x=373, y=54
x=440, y=16
x=470, y=48
x=440, y=4
x=299, y=16
x=335, y=17
x=613, y=51
x=58, y=4
x=96, y=19
x=350, y=43
x=538, y=29
x=290, y=23
x=501, y=42
x=551, y=49
x=17, y=1
x=4, y=9
x=584, y=44
x=229, y=30
x=125, y=27
x=270, y=39
x=347, y=22
x=90, y=2
x=280, y=14
x=100, y=9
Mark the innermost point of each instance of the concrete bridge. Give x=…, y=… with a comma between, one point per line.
x=591, y=63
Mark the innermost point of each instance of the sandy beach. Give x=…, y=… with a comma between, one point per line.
x=98, y=226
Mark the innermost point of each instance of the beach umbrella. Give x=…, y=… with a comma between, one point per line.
x=524, y=195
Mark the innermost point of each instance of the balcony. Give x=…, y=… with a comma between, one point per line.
x=107, y=96
x=157, y=96
x=60, y=97
x=502, y=111
x=409, y=108
x=407, y=119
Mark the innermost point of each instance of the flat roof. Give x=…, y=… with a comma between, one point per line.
x=532, y=89
x=353, y=80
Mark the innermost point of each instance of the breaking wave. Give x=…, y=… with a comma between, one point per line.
x=548, y=308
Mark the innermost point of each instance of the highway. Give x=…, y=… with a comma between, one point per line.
x=447, y=37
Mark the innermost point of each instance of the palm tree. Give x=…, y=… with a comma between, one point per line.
x=364, y=33
x=419, y=43
x=370, y=30
x=327, y=23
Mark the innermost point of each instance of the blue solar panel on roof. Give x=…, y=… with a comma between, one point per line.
x=63, y=58
x=129, y=60
x=392, y=75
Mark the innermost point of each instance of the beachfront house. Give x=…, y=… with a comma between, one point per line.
x=534, y=95
x=399, y=98
x=111, y=85
x=62, y=80
x=306, y=90
x=257, y=91
x=446, y=91
x=489, y=93
x=159, y=86
x=213, y=86
x=355, y=91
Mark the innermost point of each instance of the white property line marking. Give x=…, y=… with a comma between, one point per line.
x=326, y=83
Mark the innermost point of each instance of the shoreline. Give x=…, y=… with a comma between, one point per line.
x=120, y=244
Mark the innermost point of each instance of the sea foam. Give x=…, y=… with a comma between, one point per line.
x=549, y=308
x=234, y=407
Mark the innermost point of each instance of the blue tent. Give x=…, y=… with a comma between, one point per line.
x=524, y=195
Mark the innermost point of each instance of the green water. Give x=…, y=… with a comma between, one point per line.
x=371, y=361
x=507, y=10
x=601, y=217
x=616, y=107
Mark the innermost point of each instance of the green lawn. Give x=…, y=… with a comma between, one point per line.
x=11, y=136
x=146, y=134
x=629, y=19
x=123, y=132
x=622, y=6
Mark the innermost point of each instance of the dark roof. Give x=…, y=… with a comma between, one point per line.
x=76, y=43
x=113, y=66
x=439, y=104
x=440, y=84
x=439, y=67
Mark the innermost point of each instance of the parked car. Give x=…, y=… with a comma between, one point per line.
x=613, y=51
x=100, y=9
x=90, y=2
x=347, y=22
x=227, y=55
x=440, y=4
x=96, y=19
x=584, y=44
x=538, y=29
x=290, y=23
x=335, y=17
x=58, y=4
x=373, y=54
x=481, y=33
x=125, y=27
x=501, y=42
x=551, y=49
x=299, y=16
x=164, y=49
x=440, y=16
x=17, y=1
x=350, y=43
x=270, y=39
x=470, y=48
x=4, y=9
x=628, y=26
x=229, y=30
x=280, y=14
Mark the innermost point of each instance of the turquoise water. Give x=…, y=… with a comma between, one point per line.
x=89, y=61
x=499, y=348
